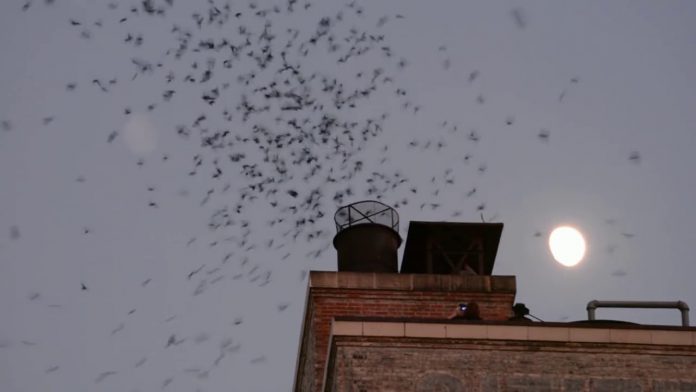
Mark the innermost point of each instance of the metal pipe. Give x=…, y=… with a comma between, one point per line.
x=681, y=305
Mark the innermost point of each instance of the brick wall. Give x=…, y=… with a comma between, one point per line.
x=363, y=364
x=334, y=294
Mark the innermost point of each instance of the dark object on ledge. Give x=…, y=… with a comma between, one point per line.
x=520, y=311
x=469, y=311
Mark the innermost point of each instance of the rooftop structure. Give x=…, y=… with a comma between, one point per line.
x=369, y=328
x=451, y=248
x=367, y=237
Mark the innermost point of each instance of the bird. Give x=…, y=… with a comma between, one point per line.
x=172, y=341
x=518, y=17
x=103, y=375
x=619, y=273
x=118, y=329
x=101, y=86
x=167, y=381
x=15, y=234
x=634, y=157
x=52, y=369
x=195, y=271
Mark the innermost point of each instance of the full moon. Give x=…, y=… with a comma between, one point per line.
x=567, y=245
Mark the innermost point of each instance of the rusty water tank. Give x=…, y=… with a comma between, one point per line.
x=367, y=237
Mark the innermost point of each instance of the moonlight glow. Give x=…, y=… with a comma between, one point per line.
x=567, y=245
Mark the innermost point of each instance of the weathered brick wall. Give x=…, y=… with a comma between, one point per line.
x=307, y=367
x=325, y=303
x=387, y=364
x=328, y=304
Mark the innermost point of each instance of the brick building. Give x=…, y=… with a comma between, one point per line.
x=369, y=328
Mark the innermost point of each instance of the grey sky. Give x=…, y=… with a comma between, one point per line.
x=635, y=65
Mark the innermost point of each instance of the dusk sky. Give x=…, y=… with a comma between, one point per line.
x=168, y=177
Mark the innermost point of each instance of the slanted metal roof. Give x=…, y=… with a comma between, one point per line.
x=451, y=248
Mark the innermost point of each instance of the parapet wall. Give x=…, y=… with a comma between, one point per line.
x=412, y=356
x=355, y=294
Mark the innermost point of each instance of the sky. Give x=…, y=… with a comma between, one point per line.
x=143, y=247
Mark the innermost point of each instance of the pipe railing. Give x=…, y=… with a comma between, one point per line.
x=366, y=211
x=681, y=305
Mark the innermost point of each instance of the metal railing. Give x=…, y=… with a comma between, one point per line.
x=368, y=211
x=681, y=305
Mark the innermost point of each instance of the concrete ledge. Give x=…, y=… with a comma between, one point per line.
x=418, y=330
x=669, y=337
x=430, y=282
x=466, y=331
x=554, y=334
x=503, y=332
x=412, y=282
x=382, y=329
x=357, y=280
x=630, y=336
x=323, y=279
x=589, y=335
x=513, y=332
x=347, y=328
x=391, y=282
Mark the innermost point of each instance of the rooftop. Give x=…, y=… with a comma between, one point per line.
x=515, y=331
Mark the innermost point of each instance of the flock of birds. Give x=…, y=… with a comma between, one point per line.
x=286, y=113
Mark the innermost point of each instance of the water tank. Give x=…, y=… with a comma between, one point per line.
x=367, y=237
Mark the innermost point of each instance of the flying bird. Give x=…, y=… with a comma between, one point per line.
x=102, y=376
x=15, y=234
x=518, y=17
x=634, y=157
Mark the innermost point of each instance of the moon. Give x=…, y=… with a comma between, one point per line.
x=140, y=134
x=567, y=245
